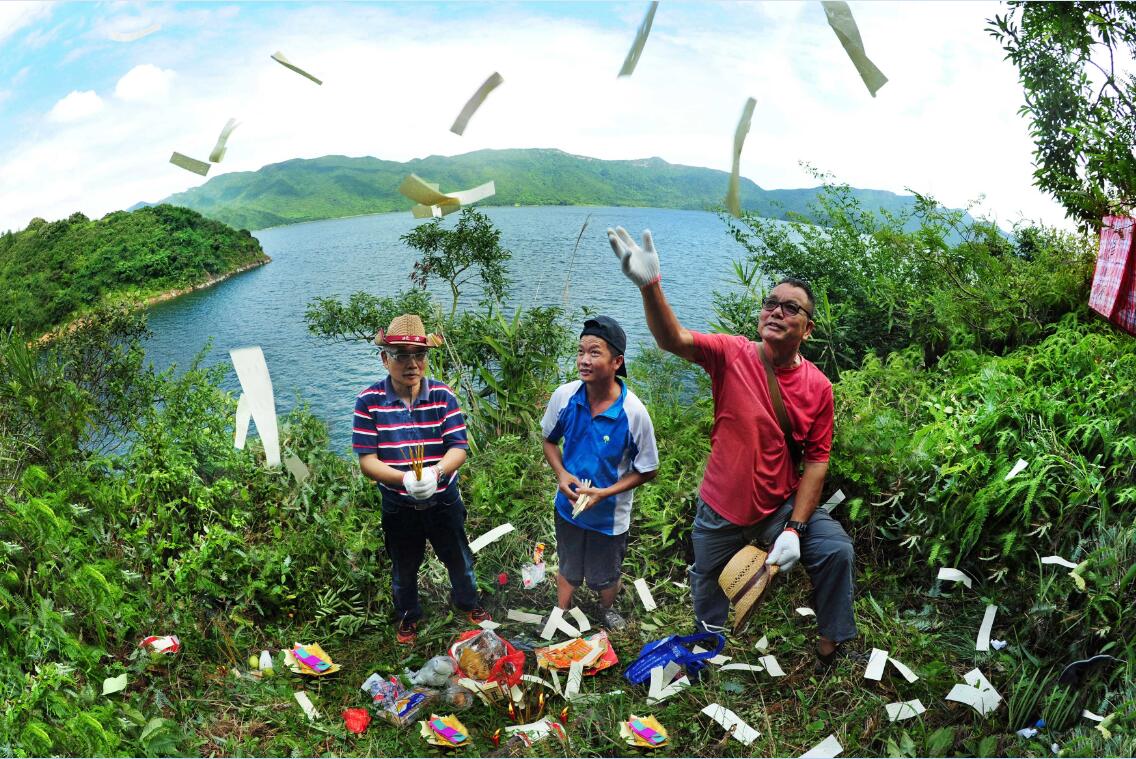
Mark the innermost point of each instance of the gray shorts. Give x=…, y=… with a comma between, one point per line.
x=589, y=555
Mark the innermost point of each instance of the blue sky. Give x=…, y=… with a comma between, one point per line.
x=88, y=123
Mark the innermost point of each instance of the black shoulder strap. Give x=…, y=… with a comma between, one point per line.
x=795, y=449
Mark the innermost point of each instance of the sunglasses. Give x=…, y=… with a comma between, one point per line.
x=404, y=357
x=788, y=307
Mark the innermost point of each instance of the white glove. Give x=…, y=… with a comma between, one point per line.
x=422, y=489
x=641, y=265
x=786, y=551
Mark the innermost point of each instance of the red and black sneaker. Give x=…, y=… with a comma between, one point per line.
x=407, y=632
x=477, y=615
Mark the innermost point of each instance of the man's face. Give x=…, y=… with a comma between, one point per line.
x=595, y=361
x=779, y=327
x=406, y=364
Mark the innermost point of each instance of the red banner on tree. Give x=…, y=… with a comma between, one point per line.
x=1113, y=295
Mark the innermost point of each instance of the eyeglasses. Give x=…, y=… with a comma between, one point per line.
x=405, y=358
x=788, y=307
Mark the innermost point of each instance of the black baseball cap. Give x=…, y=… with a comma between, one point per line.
x=609, y=330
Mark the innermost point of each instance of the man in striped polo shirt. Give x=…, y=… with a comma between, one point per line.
x=392, y=418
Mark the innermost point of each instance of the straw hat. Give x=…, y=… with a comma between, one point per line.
x=744, y=581
x=407, y=329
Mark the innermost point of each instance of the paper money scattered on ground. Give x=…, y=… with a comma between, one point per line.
x=954, y=575
x=826, y=749
x=983, y=641
x=219, y=149
x=283, y=61
x=1017, y=469
x=731, y=723
x=902, y=710
x=189, y=164
x=475, y=102
x=645, y=594
x=733, y=192
x=840, y=19
x=636, y=50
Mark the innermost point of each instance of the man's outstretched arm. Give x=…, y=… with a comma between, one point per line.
x=641, y=265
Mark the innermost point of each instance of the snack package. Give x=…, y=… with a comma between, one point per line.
x=532, y=574
x=408, y=706
x=458, y=696
x=383, y=691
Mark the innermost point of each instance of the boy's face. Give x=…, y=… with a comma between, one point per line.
x=595, y=360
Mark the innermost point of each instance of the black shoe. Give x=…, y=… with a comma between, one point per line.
x=827, y=662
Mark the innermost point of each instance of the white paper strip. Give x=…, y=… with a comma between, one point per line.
x=762, y=644
x=575, y=677
x=740, y=667
x=137, y=34
x=718, y=660
x=306, y=704
x=1017, y=469
x=636, y=50
x=553, y=623
x=252, y=371
x=731, y=723
x=475, y=102
x=769, y=661
x=244, y=416
x=902, y=710
x=904, y=670
x=189, y=164
x=954, y=575
x=876, y=664
x=1091, y=715
x=840, y=19
x=474, y=194
x=294, y=465
x=978, y=693
x=733, y=191
x=537, y=680
x=645, y=594
x=581, y=621
x=826, y=749
x=279, y=58
x=805, y=611
x=1058, y=560
x=983, y=641
x=555, y=681
x=488, y=624
x=836, y=499
x=524, y=616
x=489, y=537
x=220, y=147
x=590, y=658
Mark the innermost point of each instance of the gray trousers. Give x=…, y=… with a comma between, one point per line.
x=826, y=553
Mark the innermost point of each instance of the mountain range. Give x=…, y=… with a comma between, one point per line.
x=332, y=187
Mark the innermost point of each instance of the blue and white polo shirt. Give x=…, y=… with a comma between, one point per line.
x=601, y=449
x=383, y=425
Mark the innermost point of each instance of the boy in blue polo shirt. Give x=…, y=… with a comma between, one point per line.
x=609, y=440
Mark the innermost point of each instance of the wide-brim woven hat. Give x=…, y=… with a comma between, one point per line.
x=745, y=580
x=407, y=329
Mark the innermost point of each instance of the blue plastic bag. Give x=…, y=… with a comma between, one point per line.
x=674, y=648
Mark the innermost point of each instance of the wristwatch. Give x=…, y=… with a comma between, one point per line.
x=798, y=527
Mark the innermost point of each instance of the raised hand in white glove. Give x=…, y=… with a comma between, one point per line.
x=422, y=489
x=641, y=265
x=785, y=552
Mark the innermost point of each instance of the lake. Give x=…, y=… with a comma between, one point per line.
x=265, y=306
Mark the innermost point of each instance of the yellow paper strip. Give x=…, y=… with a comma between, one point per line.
x=733, y=191
x=189, y=164
x=840, y=19
x=632, y=59
x=475, y=102
x=279, y=58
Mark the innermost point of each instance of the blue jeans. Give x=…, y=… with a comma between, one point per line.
x=826, y=553
x=406, y=532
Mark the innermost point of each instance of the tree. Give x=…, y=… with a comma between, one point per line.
x=471, y=250
x=1082, y=103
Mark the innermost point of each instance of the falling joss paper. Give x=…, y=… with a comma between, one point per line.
x=733, y=191
x=283, y=61
x=471, y=106
x=632, y=59
x=840, y=19
x=189, y=164
x=222, y=140
x=252, y=371
x=134, y=35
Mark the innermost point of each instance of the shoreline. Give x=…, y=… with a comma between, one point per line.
x=153, y=300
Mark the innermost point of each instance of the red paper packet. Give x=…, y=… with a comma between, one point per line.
x=356, y=720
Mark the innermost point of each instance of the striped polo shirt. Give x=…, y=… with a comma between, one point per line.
x=602, y=449
x=385, y=426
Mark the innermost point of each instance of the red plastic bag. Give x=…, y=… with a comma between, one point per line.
x=505, y=671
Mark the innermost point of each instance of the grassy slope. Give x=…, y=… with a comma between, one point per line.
x=54, y=271
x=337, y=186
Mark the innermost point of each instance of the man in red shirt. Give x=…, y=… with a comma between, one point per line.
x=752, y=489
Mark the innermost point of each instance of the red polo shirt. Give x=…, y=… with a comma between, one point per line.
x=750, y=472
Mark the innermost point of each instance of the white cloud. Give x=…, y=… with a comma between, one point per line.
x=75, y=107
x=144, y=82
x=16, y=14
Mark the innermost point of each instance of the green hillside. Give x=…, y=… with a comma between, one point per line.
x=337, y=186
x=54, y=271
